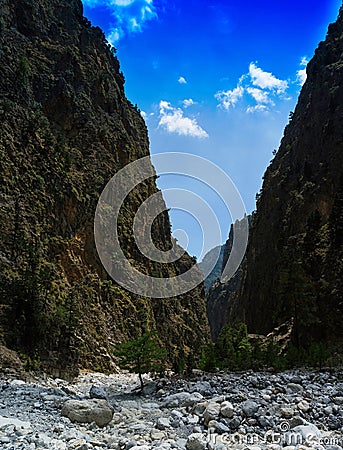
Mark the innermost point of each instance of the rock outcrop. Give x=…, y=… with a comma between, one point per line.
x=220, y=294
x=294, y=257
x=208, y=261
x=66, y=128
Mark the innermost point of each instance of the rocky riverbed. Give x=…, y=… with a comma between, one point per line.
x=293, y=410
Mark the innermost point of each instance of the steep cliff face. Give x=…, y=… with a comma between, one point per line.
x=220, y=294
x=66, y=128
x=294, y=258
x=208, y=261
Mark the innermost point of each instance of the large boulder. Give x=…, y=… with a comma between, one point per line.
x=87, y=411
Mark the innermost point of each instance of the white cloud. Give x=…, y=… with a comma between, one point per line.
x=304, y=61
x=266, y=80
x=129, y=15
x=114, y=35
x=173, y=120
x=259, y=95
x=182, y=80
x=229, y=98
x=301, y=76
x=257, y=108
x=143, y=114
x=261, y=86
x=188, y=102
x=301, y=73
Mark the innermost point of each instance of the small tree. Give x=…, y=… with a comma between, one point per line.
x=142, y=355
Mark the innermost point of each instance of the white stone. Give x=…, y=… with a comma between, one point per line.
x=87, y=411
x=287, y=412
x=157, y=435
x=193, y=419
x=176, y=413
x=227, y=410
x=304, y=406
x=140, y=447
x=308, y=431
x=17, y=383
x=211, y=412
x=199, y=408
x=56, y=444
x=76, y=444
x=162, y=423
x=338, y=400
x=150, y=405
x=6, y=421
x=43, y=440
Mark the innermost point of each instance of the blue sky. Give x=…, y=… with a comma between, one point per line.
x=214, y=78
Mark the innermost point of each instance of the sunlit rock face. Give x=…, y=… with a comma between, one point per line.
x=66, y=129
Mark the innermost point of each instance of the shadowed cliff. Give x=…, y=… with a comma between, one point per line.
x=294, y=258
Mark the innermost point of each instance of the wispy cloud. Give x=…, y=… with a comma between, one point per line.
x=259, y=95
x=228, y=99
x=173, y=120
x=257, y=108
x=129, y=15
x=301, y=73
x=182, y=80
x=258, y=85
x=188, y=102
x=266, y=80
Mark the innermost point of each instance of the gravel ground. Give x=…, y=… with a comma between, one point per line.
x=293, y=410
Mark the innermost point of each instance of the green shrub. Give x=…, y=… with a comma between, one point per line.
x=2, y=24
x=24, y=71
x=142, y=355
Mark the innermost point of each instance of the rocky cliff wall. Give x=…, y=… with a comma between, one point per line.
x=294, y=258
x=66, y=128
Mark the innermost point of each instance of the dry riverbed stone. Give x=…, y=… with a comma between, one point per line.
x=87, y=411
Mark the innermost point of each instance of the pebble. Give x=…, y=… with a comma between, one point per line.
x=294, y=387
x=303, y=406
x=227, y=409
x=250, y=408
x=163, y=423
x=196, y=441
x=211, y=412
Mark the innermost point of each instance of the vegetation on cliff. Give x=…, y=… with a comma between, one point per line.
x=67, y=127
